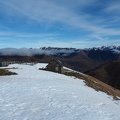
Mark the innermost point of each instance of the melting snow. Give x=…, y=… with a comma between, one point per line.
x=40, y=95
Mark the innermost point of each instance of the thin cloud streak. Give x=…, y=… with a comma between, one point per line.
x=52, y=12
x=113, y=7
x=82, y=43
x=69, y=14
x=28, y=35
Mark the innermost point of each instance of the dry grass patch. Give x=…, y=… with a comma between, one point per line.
x=4, y=72
x=96, y=84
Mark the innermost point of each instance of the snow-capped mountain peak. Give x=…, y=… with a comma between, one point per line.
x=112, y=48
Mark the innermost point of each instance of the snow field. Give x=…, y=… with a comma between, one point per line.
x=40, y=95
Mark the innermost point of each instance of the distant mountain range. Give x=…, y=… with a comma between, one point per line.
x=77, y=59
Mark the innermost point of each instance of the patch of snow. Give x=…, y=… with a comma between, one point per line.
x=118, y=97
x=95, y=82
x=41, y=95
x=116, y=51
x=70, y=69
x=41, y=65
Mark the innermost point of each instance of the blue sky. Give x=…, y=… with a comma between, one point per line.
x=59, y=23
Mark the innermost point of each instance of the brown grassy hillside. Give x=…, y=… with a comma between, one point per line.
x=108, y=73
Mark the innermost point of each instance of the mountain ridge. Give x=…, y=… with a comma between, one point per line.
x=108, y=73
x=54, y=50
x=78, y=59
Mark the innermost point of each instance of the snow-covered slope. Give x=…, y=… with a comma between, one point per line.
x=40, y=95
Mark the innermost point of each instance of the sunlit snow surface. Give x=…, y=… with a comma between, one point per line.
x=40, y=95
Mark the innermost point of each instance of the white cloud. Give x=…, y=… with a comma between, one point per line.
x=31, y=52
